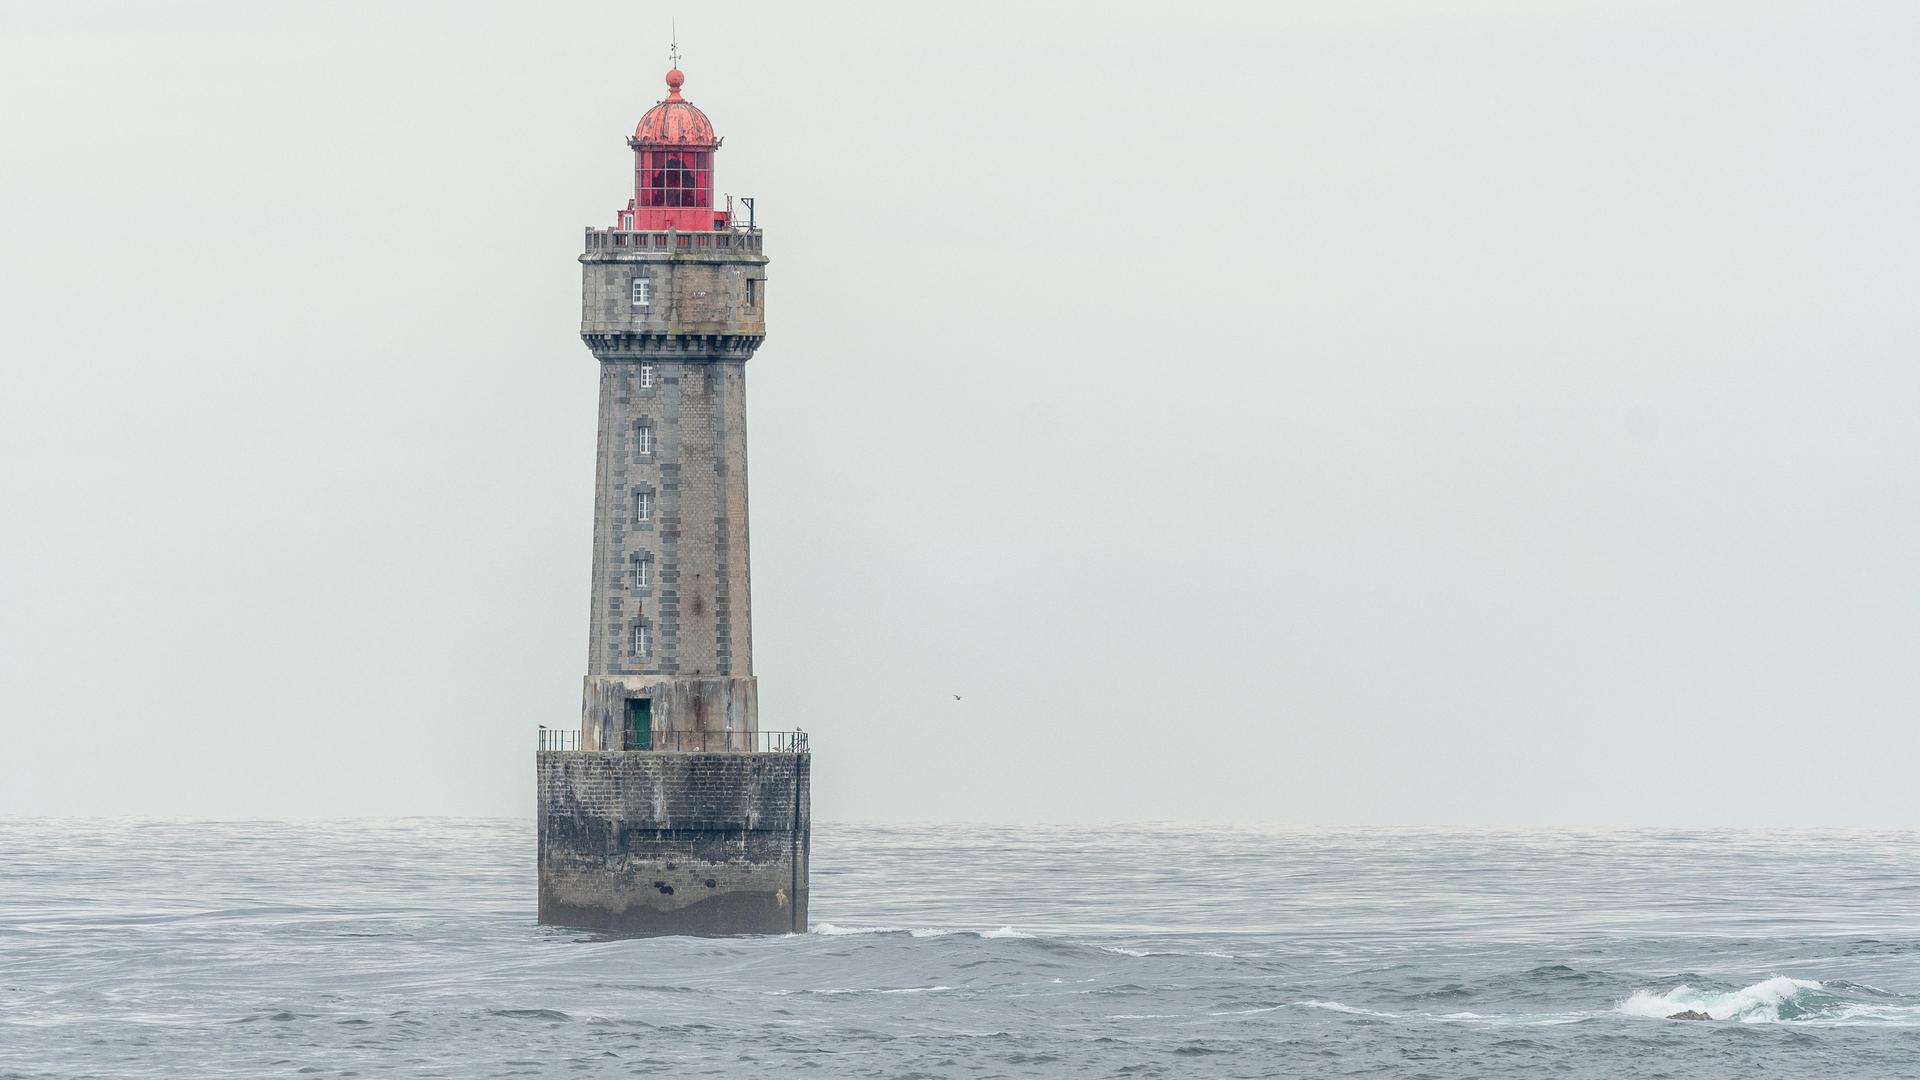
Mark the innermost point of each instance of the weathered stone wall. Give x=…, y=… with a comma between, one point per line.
x=697, y=599
x=723, y=708
x=674, y=843
x=690, y=293
x=673, y=428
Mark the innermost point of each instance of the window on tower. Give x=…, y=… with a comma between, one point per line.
x=642, y=292
x=642, y=506
x=646, y=376
x=642, y=572
x=643, y=439
x=642, y=640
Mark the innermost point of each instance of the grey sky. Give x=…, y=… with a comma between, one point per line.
x=1317, y=412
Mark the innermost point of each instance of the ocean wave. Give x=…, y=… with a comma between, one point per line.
x=1775, y=1000
x=1122, y=950
x=1255, y=1011
x=839, y=990
x=1335, y=1006
x=827, y=929
x=527, y=1014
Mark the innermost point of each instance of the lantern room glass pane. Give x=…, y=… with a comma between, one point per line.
x=676, y=178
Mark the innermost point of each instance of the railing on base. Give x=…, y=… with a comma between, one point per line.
x=695, y=742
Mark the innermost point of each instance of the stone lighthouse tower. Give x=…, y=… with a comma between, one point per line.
x=670, y=810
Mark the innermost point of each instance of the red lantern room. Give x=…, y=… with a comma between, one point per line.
x=673, y=150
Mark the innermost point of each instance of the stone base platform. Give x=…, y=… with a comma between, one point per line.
x=648, y=842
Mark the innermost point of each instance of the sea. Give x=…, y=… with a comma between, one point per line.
x=408, y=948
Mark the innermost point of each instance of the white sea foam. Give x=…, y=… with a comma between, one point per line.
x=827, y=929
x=1765, y=1002
x=1124, y=951
x=834, y=991
x=1335, y=1006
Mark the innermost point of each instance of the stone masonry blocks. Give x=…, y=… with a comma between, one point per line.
x=674, y=843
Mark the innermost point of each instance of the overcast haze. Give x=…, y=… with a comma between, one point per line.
x=1315, y=412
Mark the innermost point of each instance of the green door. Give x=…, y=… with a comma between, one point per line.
x=639, y=723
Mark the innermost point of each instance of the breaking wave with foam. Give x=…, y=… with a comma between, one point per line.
x=1776, y=1000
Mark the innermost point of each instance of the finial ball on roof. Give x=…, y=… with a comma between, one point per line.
x=675, y=121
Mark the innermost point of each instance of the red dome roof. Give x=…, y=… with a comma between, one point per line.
x=675, y=122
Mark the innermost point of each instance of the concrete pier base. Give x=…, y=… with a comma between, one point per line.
x=671, y=843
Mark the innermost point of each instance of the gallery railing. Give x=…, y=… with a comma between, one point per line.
x=737, y=238
x=557, y=739
x=694, y=742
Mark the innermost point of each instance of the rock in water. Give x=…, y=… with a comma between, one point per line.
x=1690, y=1014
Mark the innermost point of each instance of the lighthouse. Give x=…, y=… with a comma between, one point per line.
x=670, y=810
